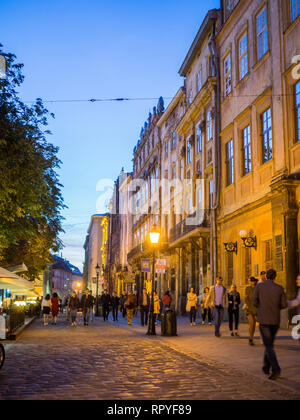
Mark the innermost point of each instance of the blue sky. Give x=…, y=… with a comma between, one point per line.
x=97, y=49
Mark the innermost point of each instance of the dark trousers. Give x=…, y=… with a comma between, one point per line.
x=206, y=313
x=234, y=314
x=193, y=314
x=105, y=312
x=218, y=317
x=144, y=315
x=115, y=311
x=86, y=315
x=268, y=333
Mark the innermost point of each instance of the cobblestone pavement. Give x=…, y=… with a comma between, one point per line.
x=105, y=362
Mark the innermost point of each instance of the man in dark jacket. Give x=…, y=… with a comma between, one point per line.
x=144, y=304
x=105, y=300
x=269, y=298
x=115, y=301
x=86, y=304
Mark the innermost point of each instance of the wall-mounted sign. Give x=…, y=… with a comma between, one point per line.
x=161, y=266
x=146, y=266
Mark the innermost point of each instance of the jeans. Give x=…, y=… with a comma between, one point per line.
x=206, y=313
x=144, y=315
x=218, y=316
x=86, y=315
x=268, y=333
x=193, y=314
x=105, y=312
x=234, y=314
x=73, y=315
x=115, y=311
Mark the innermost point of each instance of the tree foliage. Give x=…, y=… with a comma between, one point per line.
x=30, y=192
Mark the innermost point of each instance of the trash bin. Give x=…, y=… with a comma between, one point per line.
x=168, y=324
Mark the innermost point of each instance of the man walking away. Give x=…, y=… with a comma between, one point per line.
x=144, y=304
x=269, y=298
x=73, y=306
x=130, y=305
x=218, y=301
x=263, y=277
x=115, y=301
x=86, y=303
x=93, y=301
x=105, y=305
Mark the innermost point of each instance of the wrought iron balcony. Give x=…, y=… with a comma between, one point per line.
x=184, y=228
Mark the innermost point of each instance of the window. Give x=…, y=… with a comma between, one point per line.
x=166, y=149
x=243, y=55
x=189, y=152
x=191, y=96
x=181, y=170
x=211, y=193
x=266, y=122
x=199, y=139
x=262, y=33
x=269, y=254
x=229, y=163
x=247, y=166
x=295, y=9
x=297, y=103
x=209, y=126
x=227, y=74
x=199, y=80
x=174, y=172
x=173, y=146
x=229, y=6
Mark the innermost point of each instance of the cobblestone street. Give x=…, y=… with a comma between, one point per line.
x=105, y=362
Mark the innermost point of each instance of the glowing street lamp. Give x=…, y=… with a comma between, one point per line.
x=154, y=239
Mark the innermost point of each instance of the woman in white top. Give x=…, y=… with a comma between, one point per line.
x=46, y=305
x=191, y=305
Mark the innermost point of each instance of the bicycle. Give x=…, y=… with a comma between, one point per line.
x=2, y=355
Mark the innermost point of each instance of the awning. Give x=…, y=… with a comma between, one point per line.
x=15, y=284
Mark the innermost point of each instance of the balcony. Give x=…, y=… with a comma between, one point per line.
x=184, y=229
x=138, y=251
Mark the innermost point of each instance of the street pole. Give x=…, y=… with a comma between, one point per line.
x=97, y=296
x=151, y=321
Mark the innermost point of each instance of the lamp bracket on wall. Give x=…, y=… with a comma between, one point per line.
x=231, y=247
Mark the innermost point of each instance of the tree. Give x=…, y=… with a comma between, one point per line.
x=30, y=192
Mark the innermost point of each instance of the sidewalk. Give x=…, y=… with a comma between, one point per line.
x=233, y=353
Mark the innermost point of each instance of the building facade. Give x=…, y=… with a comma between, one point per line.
x=96, y=253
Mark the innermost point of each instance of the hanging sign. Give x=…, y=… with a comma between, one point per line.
x=146, y=266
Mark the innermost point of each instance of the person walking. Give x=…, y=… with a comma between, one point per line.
x=218, y=301
x=115, y=301
x=105, y=300
x=46, y=305
x=130, y=305
x=167, y=300
x=122, y=305
x=234, y=301
x=263, y=277
x=73, y=307
x=156, y=303
x=93, y=302
x=54, y=307
x=206, y=310
x=86, y=303
x=296, y=302
x=144, y=304
x=269, y=298
x=191, y=305
x=251, y=310
x=67, y=307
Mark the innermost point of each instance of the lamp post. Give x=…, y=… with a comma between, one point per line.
x=154, y=239
x=97, y=290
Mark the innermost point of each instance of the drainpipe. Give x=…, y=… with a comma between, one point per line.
x=217, y=157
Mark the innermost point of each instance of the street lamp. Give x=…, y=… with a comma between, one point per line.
x=97, y=290
x=154, y=239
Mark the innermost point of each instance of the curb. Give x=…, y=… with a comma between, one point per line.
x=16, y=334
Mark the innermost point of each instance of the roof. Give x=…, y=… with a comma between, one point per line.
x=62, y=264
x=211, y=16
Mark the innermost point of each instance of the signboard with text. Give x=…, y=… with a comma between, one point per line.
x=146, y=266
x=161, y=266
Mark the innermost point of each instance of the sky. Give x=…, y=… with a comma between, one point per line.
x=97, y=49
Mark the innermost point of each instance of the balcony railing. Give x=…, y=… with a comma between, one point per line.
x=188, y=225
